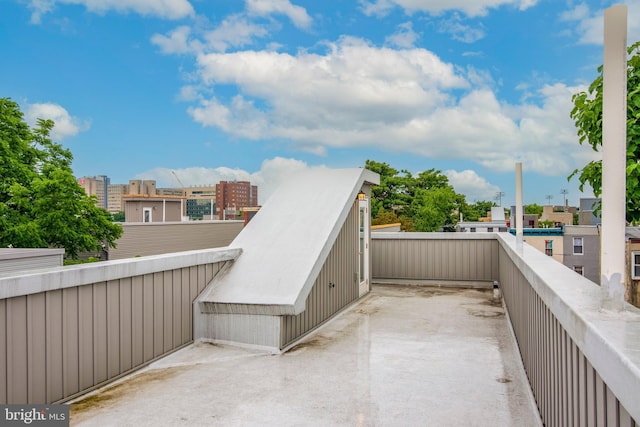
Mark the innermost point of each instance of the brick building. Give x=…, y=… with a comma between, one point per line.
x=232, y=196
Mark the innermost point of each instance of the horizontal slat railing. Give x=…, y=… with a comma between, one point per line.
x=434, y=256
x=67, y=330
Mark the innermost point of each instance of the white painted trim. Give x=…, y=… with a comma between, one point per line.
x=144, y=211
x=85, y=274
x=632, y=264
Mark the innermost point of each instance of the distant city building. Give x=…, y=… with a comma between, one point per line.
x=587, y=216
x=114, y=199
x=140, y=186
x=495, y=221
x=582, y=250
x=232, y=196
x=96, y=186
x=528, y=220
x=150, y=208
x=179, y=192
x=557, y=215
x=201, y=202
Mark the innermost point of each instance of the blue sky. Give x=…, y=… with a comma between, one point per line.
x=260, y=89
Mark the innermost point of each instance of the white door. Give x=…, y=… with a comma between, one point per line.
x=146, y=215
x=363, y=245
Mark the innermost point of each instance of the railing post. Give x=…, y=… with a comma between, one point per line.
x=614, y=141
x=519, y=210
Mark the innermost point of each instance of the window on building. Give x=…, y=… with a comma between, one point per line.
x=577, y=246
x=473, y=229
x=635, y=265
x=578, y=269
x=548, y=247
x=489, y=229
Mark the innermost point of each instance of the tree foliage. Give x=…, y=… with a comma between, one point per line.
x=41, y=204
x=534, y=209
x=425, y=202
x=477, y=210
x=118, y=216
x=587, y=115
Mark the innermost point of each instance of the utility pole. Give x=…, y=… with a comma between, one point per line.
x=548, y=197
x=498, y=197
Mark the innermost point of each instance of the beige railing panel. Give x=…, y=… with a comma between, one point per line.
x=435, y=256
x=68, y=338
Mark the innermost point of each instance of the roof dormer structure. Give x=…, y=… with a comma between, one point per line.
x=304, y=258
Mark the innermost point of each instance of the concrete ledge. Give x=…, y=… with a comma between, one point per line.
x=23, y=283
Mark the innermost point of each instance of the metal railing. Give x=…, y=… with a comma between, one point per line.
x=67, y=330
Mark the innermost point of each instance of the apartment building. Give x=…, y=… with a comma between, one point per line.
x=232, y=196
x=96, y=186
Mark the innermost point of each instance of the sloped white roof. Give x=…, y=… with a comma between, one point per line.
x=286, y=243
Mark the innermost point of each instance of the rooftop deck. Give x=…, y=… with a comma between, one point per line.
x=402, y=355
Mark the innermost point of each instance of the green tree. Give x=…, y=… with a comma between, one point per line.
x=436, y=209
x=587, y=115
x=533, y=209
x=425, y=202
x=118, y=216
x=477, y=210
x=41, y=204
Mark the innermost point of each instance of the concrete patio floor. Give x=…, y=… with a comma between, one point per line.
x=403, y=355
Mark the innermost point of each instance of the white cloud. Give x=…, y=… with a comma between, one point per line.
x=459, y=31
x=404, y=37
x=436, y=7
x=176, y=42
x=234, y=31
x=167, y=9
x=40, y=8
x=297, y=14
x=65, y=124
x=359, y=95
x=589, y=24
x=472, y=185
x=272, y=173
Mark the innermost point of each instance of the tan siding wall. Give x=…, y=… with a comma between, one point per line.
x=335, y=287
x=156, y=239
x=57, y=344
x=133, y=210
x=434, y=259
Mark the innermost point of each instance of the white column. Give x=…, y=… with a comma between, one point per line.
x=164, y=209
x=614, y=143
x=519, y=211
